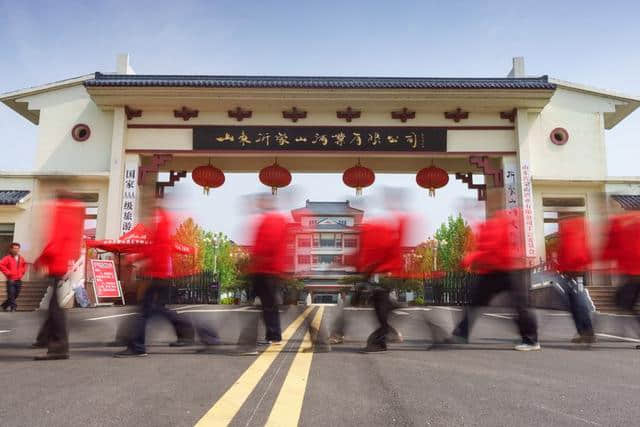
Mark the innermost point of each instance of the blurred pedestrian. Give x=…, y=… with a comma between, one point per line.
x=498, y=259
x=159, y=268
x=573, y=260
x=13, y=266
x=60, y=252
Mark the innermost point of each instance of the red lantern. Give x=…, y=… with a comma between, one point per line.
x=358, y=177
x=208, y=177
x=432, y=178
x=275, y=176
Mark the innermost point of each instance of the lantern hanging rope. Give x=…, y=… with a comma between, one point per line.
x=275, y=176
x=208, y=177
x=432, y=178
x=358, y=177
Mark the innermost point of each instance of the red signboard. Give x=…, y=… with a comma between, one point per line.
x=105, y=279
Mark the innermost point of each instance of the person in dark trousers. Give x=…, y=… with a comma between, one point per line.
x=499, y=261
x=573, y=259
x=13, y=266
x=159, y=254
x=268, y=263
x=61, y=251
x=622, y=249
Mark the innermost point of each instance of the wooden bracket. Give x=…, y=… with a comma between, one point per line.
x=131, y=112
x=456, y=115
x=173, y=178
x=403, y=115
x=186, y=113
x=484, y=163
x=156, y=161
x=239, y=114
x=467, y=178
x=348, y=114
x=294, y=114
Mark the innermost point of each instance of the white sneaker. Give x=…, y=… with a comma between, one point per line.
x=528, y=347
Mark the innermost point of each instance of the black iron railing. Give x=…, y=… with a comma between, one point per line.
x=201, y=288
x=453, y=288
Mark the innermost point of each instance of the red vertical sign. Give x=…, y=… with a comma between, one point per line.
x=105, y=279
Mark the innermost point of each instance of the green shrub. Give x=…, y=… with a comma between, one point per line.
x=228, y=301
x=419, y=301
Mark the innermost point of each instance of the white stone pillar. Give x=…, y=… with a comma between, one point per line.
x=116, y=172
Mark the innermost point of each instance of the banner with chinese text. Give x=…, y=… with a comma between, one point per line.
x=129, y=194
x=320, y=138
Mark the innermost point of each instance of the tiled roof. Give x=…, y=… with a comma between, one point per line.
x=628, y=202
x=12, y=197
x=327, y=208
x=302, y=82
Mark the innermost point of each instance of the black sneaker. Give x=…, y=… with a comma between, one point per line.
x=52, y=356
x=374, y=349
x=130, y=353
x=182, y=343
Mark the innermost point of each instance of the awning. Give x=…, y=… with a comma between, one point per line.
x=628, y=202
x=134, y=241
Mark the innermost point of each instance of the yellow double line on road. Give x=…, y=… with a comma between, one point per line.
x=288, y=405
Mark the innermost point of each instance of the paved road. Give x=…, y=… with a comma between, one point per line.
x=483, y=383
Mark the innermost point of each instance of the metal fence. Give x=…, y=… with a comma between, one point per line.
x=454, y=288
x=201, y=288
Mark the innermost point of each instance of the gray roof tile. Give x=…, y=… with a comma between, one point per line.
x=296, y=82
x=628, y=202
x=12, y=197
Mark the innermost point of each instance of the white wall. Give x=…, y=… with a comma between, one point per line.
x=584, y=155
x=60, y=111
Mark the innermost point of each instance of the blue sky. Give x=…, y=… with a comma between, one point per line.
x=591, y=43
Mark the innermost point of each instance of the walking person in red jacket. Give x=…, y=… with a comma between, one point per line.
x=159, y=256
x=268, y=264
x=13, y=266
x=61, y=251
x=499, y=261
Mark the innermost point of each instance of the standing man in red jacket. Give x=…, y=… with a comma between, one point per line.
x=13, y=266
x=61, y=251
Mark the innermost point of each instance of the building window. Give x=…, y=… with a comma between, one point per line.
x=304, y=259
x=338, y=240
x=6, y=237
x=327, y=240
x=304, y=242
x=350, y=243
x=316, y=240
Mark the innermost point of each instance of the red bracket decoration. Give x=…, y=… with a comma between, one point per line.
x=483, y=162
x=294, y=114
x=509, y=115
x=239, y=114
x=173, y=178
x=467, y=178
x=131, y=112
x=456, y=115
x=186, y=113
x=156, y=161
x=348, y=114
x=403, y=115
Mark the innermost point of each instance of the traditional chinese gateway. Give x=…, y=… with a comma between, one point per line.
x=538, y=142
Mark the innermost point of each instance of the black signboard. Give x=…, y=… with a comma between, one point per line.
x=320, y=138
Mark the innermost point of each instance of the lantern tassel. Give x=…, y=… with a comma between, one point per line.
x=206, y=190
x=274, y=190
x=432, y=192
x=359, y=191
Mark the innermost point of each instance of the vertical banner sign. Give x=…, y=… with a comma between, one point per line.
x=511, y=189
x=105, y=281
x=129, y=193
x=527, y=210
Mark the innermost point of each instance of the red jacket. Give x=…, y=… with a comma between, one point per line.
x=65, y=237
x=269, y=249
x=159, y=252
x=381, y=247
x=12, y=269
x=623, y=243
x=497, y=245
x=574, y=251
